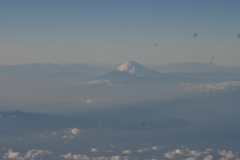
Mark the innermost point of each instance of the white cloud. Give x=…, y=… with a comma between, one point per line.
x=89, y=101
x=94, y=150
x=170, y=155
x=94, y=100
x=154, y=148
x=118, y=158
x=42, y=136
x=34, y=153
x=195, y=153
x=142, y=150
x=186, y=153
x=68, y=136
x=75, y=156
x=71, y=133
x=54, y=133
x=209, y=157
x=215, y=86
x=191, y=158
x=227, y=154
x=75, y=131
x=12, y=155
x=209, y=150
x=101, y=82
x=127, y=152
x=182, y=153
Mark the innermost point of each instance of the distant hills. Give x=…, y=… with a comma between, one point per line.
x=48, y=69
x=128, y=71
x=194, y=67
x=133, y=72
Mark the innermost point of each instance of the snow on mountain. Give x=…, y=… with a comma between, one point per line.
x=137, y=69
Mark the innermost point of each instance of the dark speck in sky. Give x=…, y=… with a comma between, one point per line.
x=195, y=35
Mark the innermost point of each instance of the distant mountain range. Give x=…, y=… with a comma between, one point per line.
x=128, y=71
x=47, y=69
x=133, y=72
x=194, y=67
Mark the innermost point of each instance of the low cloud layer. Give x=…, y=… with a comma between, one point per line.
x=152, y=153
x=98, y=82
x=211, y=87
x=33, y=154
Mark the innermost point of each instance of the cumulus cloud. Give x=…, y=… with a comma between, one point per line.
x=118, y=158
x=127, y=152
x=71, y=156
x=170, y=155
x=227, y=154
x=142, y=150
x=155, y=148
x=34, y=153
x=75, y=156
x=191, y=158
x=94, y=150
x=75, y=131
x=209, y=157
x=187, y=154
x=12, y=155
x=210, y=87
x=182, y=153
x=71, y=133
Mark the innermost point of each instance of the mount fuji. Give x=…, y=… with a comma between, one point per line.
x=132, y=70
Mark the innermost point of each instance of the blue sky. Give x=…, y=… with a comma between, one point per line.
x=113, y=31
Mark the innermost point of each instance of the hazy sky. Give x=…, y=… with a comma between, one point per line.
x=113, y=31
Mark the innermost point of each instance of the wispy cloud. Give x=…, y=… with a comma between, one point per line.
x=99, y=82
x=210, y=87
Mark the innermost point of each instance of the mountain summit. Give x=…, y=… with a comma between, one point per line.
x=132, y=69
x=128, y=66
x=136, y=69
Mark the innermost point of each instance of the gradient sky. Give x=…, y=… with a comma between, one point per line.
x=113, y=31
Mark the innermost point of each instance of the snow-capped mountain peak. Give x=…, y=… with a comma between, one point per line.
x=132, y=71
x=128, y=66
x=136, y=69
